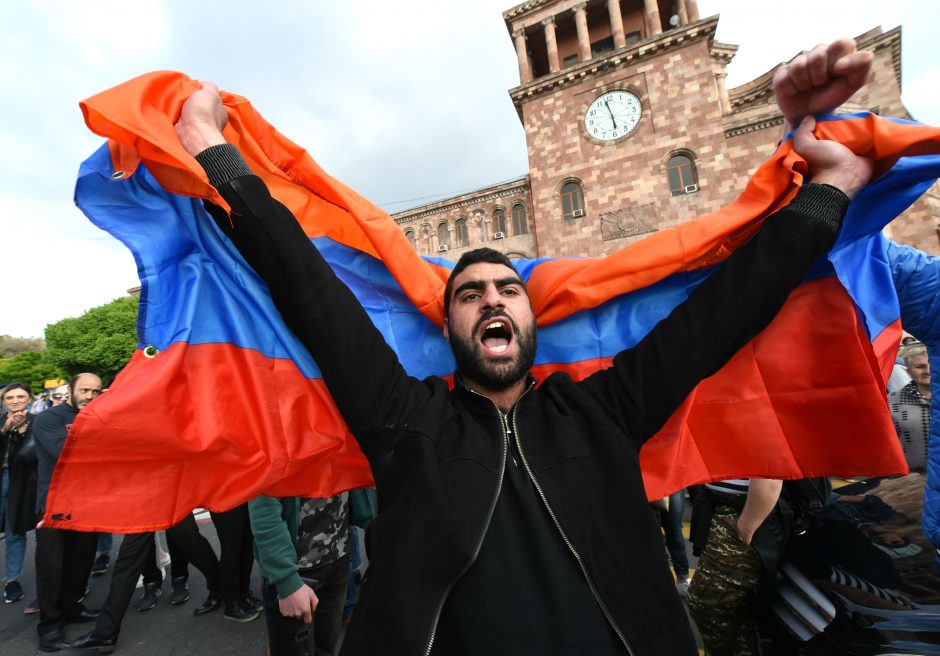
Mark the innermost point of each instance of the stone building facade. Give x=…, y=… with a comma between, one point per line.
x=631, y=129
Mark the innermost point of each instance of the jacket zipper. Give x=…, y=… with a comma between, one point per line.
x=489, y=518
x=577, y=556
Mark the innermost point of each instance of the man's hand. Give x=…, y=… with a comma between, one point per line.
x=202, y=120
x=299, y=605
x=830, y=162
x=820, y=81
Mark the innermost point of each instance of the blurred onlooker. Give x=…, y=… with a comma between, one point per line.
x=40, y=404
x=138, y=555
x=103, y=554
x=18, y=491
x=63, y=557
x=916, y=278
x=899, y=376
x=303, y=556
x=910, y=408
x=60, y=395
x=670, y=519
x=743, y=546
x=236, y=559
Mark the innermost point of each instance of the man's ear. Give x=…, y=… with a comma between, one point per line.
x=446, y=332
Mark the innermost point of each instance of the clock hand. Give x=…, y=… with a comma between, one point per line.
x=609, y=111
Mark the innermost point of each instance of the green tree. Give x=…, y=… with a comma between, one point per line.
x=30, y=367
x=101, y=341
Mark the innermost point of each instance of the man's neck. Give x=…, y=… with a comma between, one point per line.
x=503, y=399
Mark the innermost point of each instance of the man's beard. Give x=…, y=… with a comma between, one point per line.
x=494, y=376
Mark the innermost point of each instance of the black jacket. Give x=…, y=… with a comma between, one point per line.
x=437, y=456
x=49, y=432
x=21, y=497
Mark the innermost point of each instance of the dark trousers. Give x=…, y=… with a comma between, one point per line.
x=192, y=541
x=291, y=637
x=138, y=555
x=236, y=557
x=134, y=557
x=63, y=563
x=671, y=521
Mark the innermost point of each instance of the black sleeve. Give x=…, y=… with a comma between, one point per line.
x=49, y=432
x=26, y=452
x=368, y=384
x=647, y=383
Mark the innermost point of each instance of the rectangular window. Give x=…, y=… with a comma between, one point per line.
x=601, y=46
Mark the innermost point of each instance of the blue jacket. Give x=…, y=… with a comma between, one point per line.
x=917, y=280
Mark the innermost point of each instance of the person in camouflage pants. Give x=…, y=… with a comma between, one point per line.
x=302, y=552
x=730, y=569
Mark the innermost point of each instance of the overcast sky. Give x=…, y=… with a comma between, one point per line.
x=404, y=101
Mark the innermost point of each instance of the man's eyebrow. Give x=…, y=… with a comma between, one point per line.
x=479, y=285
x=470, y=284
x=509, y=280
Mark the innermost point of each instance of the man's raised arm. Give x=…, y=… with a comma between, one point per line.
x=739, y=300
x=362, y=373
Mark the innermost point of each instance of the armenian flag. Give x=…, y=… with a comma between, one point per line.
x=221, y=403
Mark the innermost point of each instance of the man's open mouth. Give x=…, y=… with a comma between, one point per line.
x=496, y=336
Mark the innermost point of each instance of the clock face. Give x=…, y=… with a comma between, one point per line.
x=612, y=115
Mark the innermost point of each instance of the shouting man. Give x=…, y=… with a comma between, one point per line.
x=512, y=515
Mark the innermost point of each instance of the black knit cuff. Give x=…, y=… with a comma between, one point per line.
x=222, y=163
x=822, y=202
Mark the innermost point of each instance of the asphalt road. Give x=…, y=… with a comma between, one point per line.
x=165, y=630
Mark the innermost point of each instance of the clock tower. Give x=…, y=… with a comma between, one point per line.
x=622, y=103
x=630, y=129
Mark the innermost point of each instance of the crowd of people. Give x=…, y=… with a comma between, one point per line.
x=306, y=549
x=514, y=518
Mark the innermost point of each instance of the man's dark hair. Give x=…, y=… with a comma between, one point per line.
x=476, y=256
x=74, y=379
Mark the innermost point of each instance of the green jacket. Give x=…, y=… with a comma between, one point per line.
x=275, y=523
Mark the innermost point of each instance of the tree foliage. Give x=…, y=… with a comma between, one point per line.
x=29, y=367
x=101, y=341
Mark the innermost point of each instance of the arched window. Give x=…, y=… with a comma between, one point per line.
x=681, y=173
x=572, y=200
x=443, y=235
x=461, y=233
x=519, y=226
x=410, y=234
x=499, y=221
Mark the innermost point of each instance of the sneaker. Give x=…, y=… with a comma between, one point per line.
x=212, y=602
x=682, y=587
x=251, y=602
x=149, y=598
x=101, y=564
x=238, y=613
x=13, y=592
x=32, y=607
x=180, y=591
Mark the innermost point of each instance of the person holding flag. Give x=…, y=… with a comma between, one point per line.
x=508, y=506
x=512, y=515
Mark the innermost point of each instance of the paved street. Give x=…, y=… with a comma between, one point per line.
x=164, y=630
